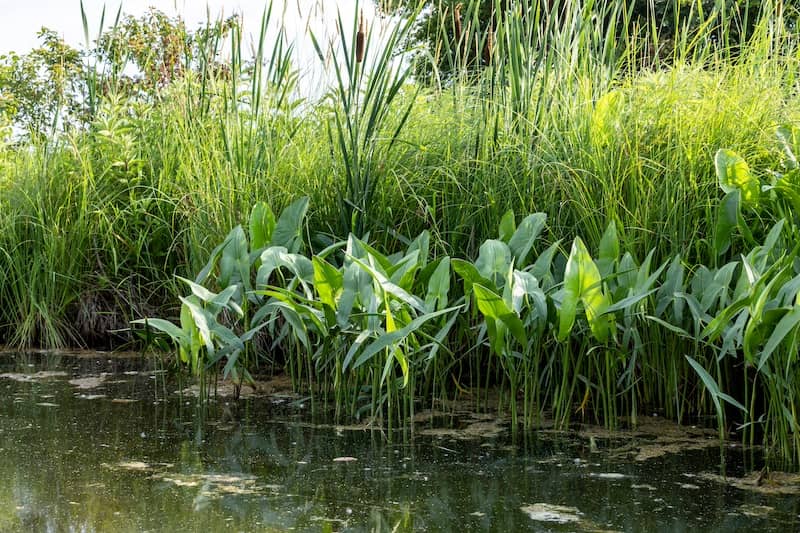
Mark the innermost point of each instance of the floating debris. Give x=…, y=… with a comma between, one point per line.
x=218, y=485
x=649, y=438
x=47, y=404
x=137, y=466
x=37, y=376
x=278, y=386
x=123, y=400
x=133, y=465
x=89, y=382
x=316, y=518
x=760, y=482
x=609, y=475
x=547, y=512
x=643, y=486
x=755, y=511
x=475, y=430
x=344, y=459
x=90, y=396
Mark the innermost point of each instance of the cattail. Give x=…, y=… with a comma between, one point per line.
x=489, y=46
x=457, y=22
x=360, y=39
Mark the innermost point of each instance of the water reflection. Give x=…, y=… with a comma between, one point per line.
x=119, y=456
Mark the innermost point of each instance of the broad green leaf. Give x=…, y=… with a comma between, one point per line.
x=734, y=173
x=276, y=257
x=789, y=293
x=627, y=271
x=526, y=291
x=727, y=221
x=202, y=276
x=398, y=355
x=627, y=302
x=262, y=224
x=673, y=282
x=733, y=402
x=525, y=235
x=393, y=338
x=177, y=335
x=288, y=230
x=270, y=262
x=388, y=287
x=439, y=286
x=787, y=325
x=717, y=326
x=229, y=369
x=772, y=238
x=350, y=291
x=491, y=305
x=234, y=263
x=405, y=270
x=523, y=285
x=191, y=352
x=507, y=226
x=359, y=341
x=203, y=322
x=290, y=314
x=582, y=282
x=328, y=284
x=541, y=268
x=758, y=306
x=421, y=244
x=198, y=290
x=387, y=311
x=362, y=250
x=699, y=316
x=494, y=259
x=609, y=250
x=644, y=279
x=470, y=275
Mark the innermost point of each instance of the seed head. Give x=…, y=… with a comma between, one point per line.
x=360, y=39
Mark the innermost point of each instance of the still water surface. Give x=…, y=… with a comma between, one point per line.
x=113, y=454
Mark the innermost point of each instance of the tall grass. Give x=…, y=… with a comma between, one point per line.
x=575, y=112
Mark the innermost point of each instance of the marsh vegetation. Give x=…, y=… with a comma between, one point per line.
x=582, y=210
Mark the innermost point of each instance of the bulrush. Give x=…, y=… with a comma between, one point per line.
x=360, y=39
x=487, y=49
x=457, y=22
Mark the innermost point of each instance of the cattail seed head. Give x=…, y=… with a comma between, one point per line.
x=487, y=51
x=457, y=22
x=360, y=39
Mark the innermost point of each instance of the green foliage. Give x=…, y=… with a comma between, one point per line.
x=363, y=127
x=462, y=36
x=41, y=87
x=672, y=252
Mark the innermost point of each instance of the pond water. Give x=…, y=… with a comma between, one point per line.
x=94, y=444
